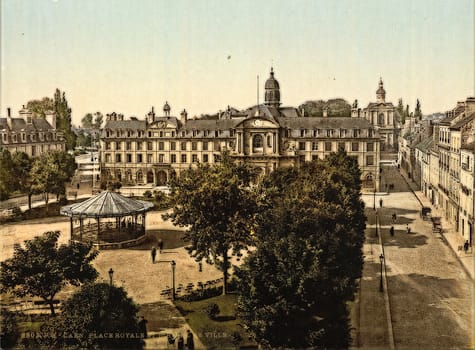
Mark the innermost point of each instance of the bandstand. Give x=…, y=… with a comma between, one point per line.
x=108, y=220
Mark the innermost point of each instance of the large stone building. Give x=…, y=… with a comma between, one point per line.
x=266, y=136
x=30, y=134
x=385, y=118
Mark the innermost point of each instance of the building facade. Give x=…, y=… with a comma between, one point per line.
x=266, y=136
x=29, y=134
x=384, y=117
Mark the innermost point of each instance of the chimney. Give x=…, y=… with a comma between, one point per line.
x=325, y=112
x=51, y=118
x=9, y=118
x=469, y=105
x=184, y=116
x=9, y=112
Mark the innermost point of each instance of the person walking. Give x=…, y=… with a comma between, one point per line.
x=154, y=254
x=143, y=326
x=408, y=229
x=394, y=217
x=381, y=202
x=160, y=245
x=391, y=231
x=190, y=343
x=465, y=246
x=180, y=342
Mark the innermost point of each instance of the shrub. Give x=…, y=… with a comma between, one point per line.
x=212, y=310
x=147, y=194
x=202, y=294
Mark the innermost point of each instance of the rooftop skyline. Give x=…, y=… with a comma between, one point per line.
x=201, y=56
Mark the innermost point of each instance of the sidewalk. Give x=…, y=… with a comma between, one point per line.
x=452, y=238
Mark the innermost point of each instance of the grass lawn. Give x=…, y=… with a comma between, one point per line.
x=217, y=333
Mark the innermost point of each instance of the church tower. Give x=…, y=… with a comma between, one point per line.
x=272, y=91
x=381, y=93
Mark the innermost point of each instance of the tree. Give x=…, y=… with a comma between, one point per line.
x=98, y=316
x=86, y=121
x=418, y=111
x=50, y=172
x=217, y=206
x=7, y=176
x=9, y=331
x=22, y=165
x=295, y=285
x=83, y=139
x=400, y=110
x=63, y=118
x=40, y=107
x=98, y=120
x=42, y=269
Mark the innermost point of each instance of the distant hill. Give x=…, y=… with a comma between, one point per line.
x=435, y=116
x=337, y=107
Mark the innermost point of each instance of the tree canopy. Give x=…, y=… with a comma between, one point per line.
x=337, y=107
x=97, y=316
x=7, y=176
x=294, y=286
x=217, y=206
x=42, y=269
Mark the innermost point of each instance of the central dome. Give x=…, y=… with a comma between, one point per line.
x=272, y=94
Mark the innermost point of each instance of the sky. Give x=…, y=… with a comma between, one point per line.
x=203, y=55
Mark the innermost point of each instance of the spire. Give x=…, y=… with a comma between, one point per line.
x=272, y=91
x=381, y=93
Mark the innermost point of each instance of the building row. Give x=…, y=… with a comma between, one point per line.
x=439, y=157
x=267, y=136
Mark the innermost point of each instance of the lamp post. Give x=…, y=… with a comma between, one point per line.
x=111, y=273
x=381, y=259
x=173, y=264
x=374, y=198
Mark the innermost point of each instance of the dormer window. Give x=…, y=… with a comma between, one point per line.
x=302, y=133
x=315, y=133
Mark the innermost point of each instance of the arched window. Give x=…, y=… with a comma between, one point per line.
x=257, y=141
x=139, y=176
x=381, y=119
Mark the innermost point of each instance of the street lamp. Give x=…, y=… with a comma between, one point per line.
x=381, y=259
x=111, y=273
x=374, y=198
x=173, y=264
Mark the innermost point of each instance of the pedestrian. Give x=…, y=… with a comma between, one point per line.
x=394, y=217
x=154, y=254
x=391, y=231
x=143, y=326
x=190, y=344
x=465, y=246
x=180, y=342
x=408, y=229
x=160, y=245
x=381, y=202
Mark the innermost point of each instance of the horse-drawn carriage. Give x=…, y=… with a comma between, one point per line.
x=436, y=224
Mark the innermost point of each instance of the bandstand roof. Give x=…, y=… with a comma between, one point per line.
x=106, y=204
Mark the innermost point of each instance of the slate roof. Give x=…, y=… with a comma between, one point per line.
x=126, y=124
x=19, y=124
x=463, y=121
x=425, y=144
x=324, y=123
x=105, y=205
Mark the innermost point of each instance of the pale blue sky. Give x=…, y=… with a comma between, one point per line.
x=127, y=56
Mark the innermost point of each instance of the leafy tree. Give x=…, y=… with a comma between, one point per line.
x=217, y=206
x=94, y=311
x=400, y=110
x=42, y=269
x=22, y=165
x=337, y=107
x=295, y=285
x=50, y=172
x=7, y=176
x=83, y=139
x=86, y=121
x=63, y=118
x=40, y=107
x=418, y=111
x=98, y=120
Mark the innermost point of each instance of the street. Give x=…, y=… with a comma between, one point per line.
x=430, y=295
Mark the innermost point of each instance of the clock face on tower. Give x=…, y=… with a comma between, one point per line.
x=257, y=122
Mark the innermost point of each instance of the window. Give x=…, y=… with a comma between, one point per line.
x=128, y=133
x=381, y=119
x=139, y=176
x=269, y=141
x=128, y=146
x=117, y=145
x=314, y=146
x=315, y=133
x=314, y=157
x=183, y=133
x=217, y=146
x=161, y=158
x=150, y=146
x=173, y=158
x=118, y=158
x=328, y=146
x=183, y=146
x=183, y=158
x=370, y=132
x=160, y=134
x=194, y=133
x=205, y=158
x=257, y=141
x=149, y=158
x=217, y=158
x=355, y=146
x=302, y=133
x=108, y=145
x=128, y=157
x=194, y=146
x=161, y=146
x=302, y=146
x=194, y=158
x=341, y=146
x=139, y=158
x=149, y=134
x=216, y=133
x=329, y=132
x=356, y=132
x=343, y=132
x=173, y=146
x=108, y=158
x=205, y=145
x=369, y=160
x=139, y=145
x=370, y=147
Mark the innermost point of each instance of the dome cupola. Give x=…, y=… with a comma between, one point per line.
x=381, y=93
x=272, y=91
